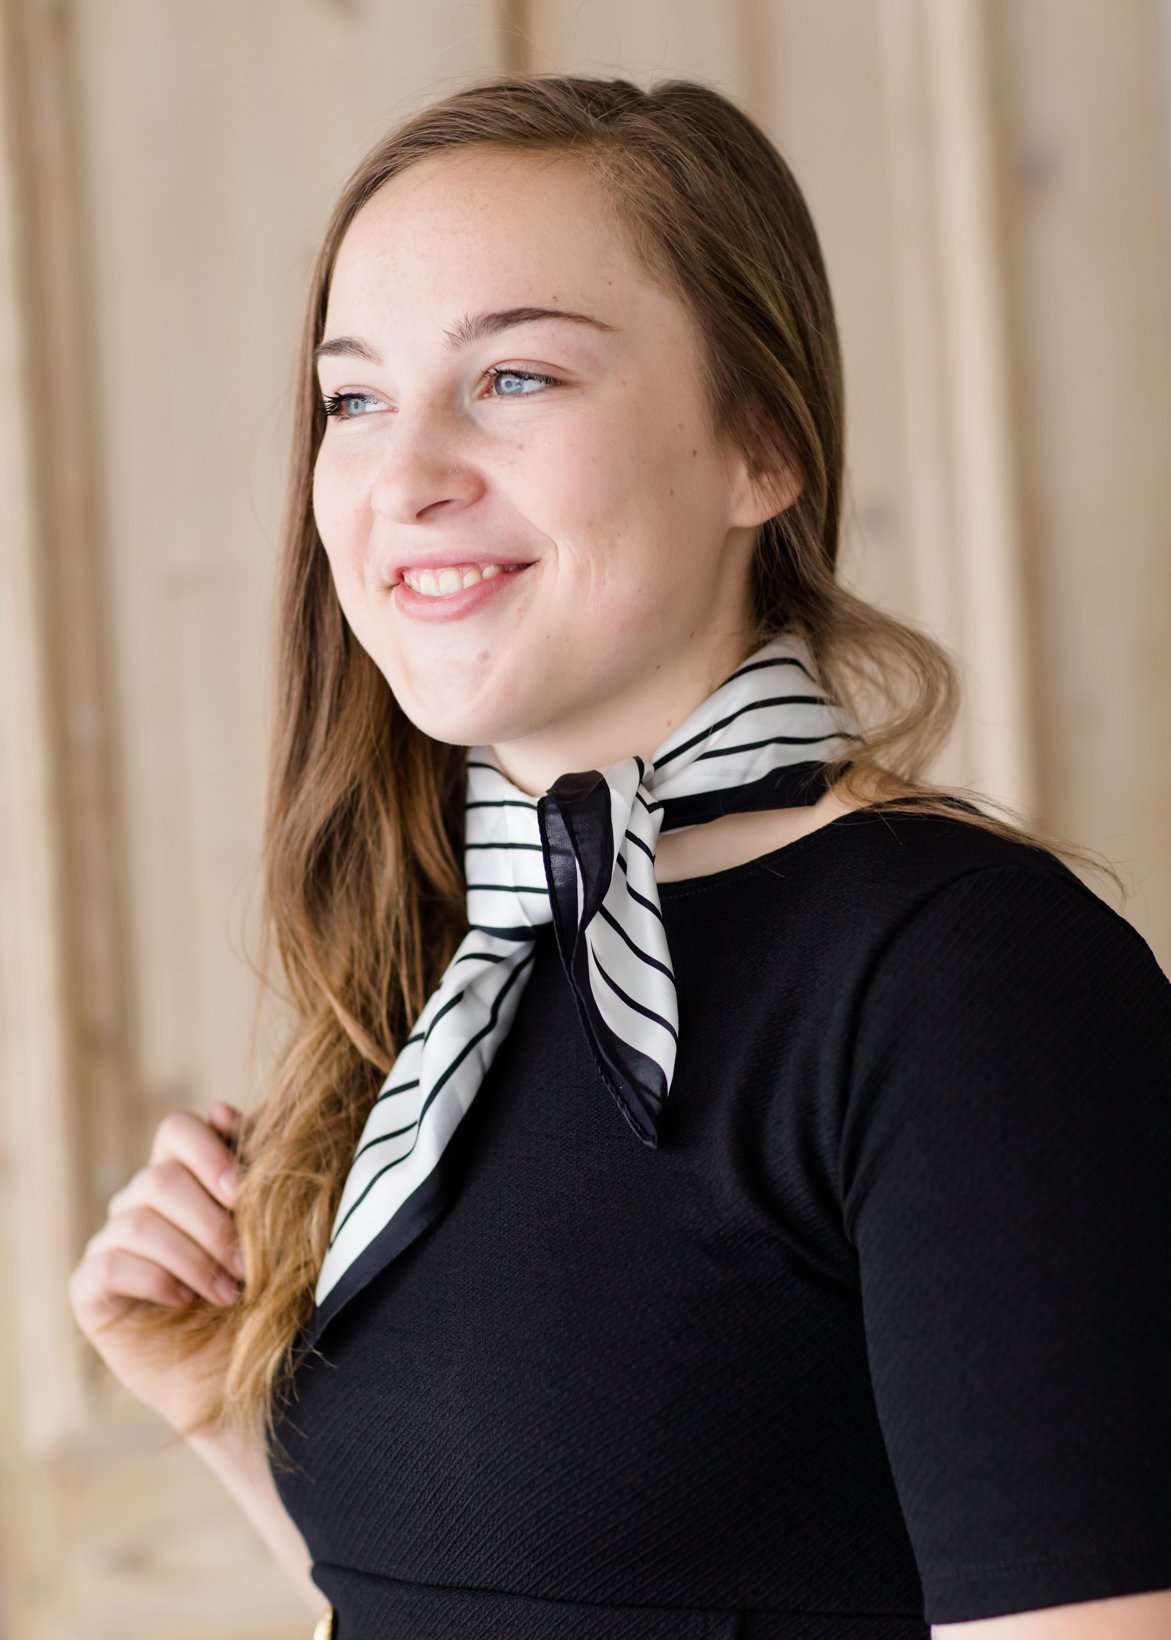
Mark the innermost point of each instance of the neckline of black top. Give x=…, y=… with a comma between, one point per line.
x=678, y=886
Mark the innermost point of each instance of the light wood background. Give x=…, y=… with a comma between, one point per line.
x=990, y=179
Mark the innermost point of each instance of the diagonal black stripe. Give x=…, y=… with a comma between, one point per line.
x=453, y=1001
x=382, y=1138
x=771, y=660
x=630, y=1002
x=652, y=962
x=775, y=740
x=750, y=706
x=642, y=900
x=649, y=852
x=399, y=1087
x=440, y=1081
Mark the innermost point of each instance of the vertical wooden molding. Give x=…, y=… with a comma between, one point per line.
x=515, y=45
x=67, y=1091
x=989, y=538
x=1164, y=21
x=965, y=534
x=921, y=325
x=39, y=1190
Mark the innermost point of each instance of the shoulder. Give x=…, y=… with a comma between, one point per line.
x=873, y=869
x=994, y=935
x=961, y=965
x=1008, y=1008
x=898, y=860
x=978, y=906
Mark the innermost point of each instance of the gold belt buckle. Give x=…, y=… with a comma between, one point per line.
x=324, y=1626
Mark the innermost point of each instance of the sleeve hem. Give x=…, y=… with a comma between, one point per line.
x=1001, y=1588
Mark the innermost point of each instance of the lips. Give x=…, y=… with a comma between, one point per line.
x=450, y=606
x=393, y=573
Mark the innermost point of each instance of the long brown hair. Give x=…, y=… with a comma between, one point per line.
x=363, y=869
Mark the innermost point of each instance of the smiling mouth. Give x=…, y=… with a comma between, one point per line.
x=459, y=604
x=445, y=582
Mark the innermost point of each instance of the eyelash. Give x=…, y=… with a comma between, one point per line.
x=332, y=404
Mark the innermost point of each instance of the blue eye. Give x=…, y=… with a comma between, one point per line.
x=523, y=375
x=332, y=404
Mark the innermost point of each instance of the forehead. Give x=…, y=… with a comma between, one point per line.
x=457, y=230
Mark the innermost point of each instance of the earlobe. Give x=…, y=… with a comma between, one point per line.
x=766, y=495
x=766, y=474
x=784, y=490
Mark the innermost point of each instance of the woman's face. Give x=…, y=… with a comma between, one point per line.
x=636, y=528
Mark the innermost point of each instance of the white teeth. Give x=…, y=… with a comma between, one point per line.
x=437, y=583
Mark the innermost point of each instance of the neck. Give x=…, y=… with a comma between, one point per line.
x=608, y=731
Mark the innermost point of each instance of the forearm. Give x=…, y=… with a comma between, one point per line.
x=245, y=1474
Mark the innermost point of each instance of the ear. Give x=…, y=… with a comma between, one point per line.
x=763, y=481
x=757, y=496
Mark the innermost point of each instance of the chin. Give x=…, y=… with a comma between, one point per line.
x=453, y=715
x=454, y=729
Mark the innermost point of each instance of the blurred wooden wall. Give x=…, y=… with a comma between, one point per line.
x=990, y=179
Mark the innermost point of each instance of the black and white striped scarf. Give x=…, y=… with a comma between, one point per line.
x=582, y=857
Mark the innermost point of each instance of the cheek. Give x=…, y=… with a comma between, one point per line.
x=643, y=471
x=338, y=521
x=325, y=498
x=612, y=582
x=632, y=515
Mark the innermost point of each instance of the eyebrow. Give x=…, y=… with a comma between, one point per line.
x=471, y=328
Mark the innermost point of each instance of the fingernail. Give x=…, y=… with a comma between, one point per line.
x=227, y=1289
x=229, y=1184
x=235, y=1261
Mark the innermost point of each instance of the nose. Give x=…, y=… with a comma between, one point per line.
x=423, y=467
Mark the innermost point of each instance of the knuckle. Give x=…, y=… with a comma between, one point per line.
x=138, y=1218
x=107, y=1265
x=168, y=1125
x=173, y=1126
x=169, y=1173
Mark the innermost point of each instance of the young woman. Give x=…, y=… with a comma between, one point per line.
x=717, y=1182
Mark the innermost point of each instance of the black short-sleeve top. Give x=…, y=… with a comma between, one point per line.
x=879, y=1336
